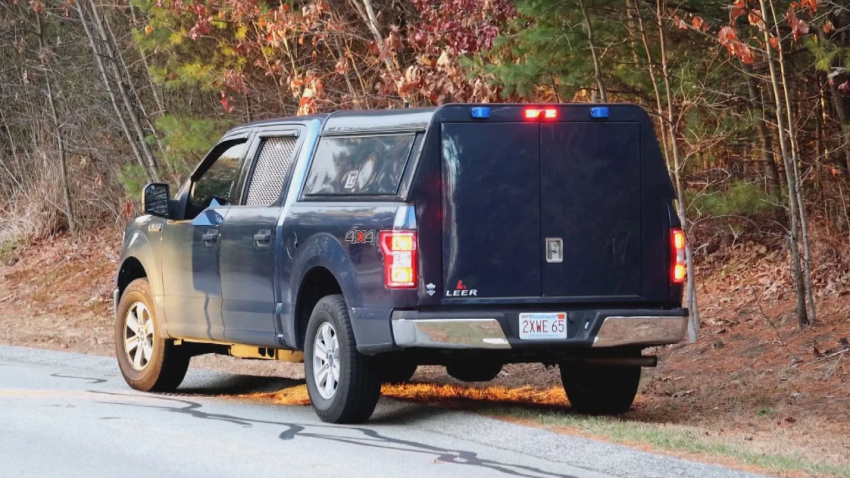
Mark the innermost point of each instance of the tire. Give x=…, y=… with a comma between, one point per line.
x=356, y=377
x=596, y=390
x=474, y=371
x=397, y=370
x=152, y=364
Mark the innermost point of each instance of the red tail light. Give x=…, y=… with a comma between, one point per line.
x=537, y=113
x=399, y=249
x=678, y=271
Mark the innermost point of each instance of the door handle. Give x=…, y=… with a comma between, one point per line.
x=263, y=237
x=210, y=237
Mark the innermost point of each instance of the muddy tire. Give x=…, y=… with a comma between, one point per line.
x=147, y=361
x=595, y=390
x=344, y=385
x=474, y=371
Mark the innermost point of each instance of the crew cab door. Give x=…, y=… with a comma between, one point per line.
x=249, y=239
x=190, y=245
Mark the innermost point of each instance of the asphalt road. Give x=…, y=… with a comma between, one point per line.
x=72, y=415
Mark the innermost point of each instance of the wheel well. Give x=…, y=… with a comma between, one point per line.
x=130, y=270
x=318, y=283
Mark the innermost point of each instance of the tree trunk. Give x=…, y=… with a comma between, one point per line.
x=156, y=96
x=108, y=86
x=691, y=295
x=57, y=128
x=770, y=171
x=597, y=68
x=798, y=194
x=133, y=89
x=802, y=315
x=659, y=105
x=134, y=118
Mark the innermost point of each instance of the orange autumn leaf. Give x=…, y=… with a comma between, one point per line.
x=827, y=26
x=756, y=19
x=774, y=42
x=812, y=5
x=739, y=8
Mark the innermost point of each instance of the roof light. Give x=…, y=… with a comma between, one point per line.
x=599, y=112
x=532, y=113
x=480, y=112
x=551, y=113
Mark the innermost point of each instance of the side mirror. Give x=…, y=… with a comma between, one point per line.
x=155, y=199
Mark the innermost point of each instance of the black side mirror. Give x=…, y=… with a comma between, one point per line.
x=155, y=199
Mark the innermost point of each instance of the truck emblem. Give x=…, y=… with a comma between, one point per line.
x=462, y=291
x=358, y=236
x=351, y=180
x=430, y=288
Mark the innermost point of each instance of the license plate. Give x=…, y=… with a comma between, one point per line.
x=543, y=325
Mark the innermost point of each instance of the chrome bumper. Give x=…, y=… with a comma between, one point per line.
x=487, y=333
x=641, y=331
x=450, y=333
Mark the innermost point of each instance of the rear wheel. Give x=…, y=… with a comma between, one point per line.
x=598, y=390
x=147, y=361
x=344, y=386
x=474, y=371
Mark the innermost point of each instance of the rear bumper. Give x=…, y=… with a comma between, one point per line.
x=499, y=330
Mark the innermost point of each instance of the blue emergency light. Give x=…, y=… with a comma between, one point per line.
x=480, y=112
x=599, y=112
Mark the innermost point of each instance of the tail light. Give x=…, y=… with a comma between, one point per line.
x=399, y=249
x=537, y=113
x=678, y=271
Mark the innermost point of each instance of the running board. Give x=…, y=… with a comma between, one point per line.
x=250, y=351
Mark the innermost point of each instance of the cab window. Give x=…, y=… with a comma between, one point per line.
x=217, y=184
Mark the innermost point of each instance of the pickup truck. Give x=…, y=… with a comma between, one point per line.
x=366, y=243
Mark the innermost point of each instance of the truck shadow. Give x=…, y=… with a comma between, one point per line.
x=364, y=436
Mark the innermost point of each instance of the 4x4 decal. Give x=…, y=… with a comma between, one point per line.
x=358, y=236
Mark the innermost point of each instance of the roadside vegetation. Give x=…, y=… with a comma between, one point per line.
x=751, y=105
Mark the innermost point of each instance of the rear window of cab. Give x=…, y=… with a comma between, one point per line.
x=361, y=165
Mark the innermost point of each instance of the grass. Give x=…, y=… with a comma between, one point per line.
x=671, y=438
x=548, y=408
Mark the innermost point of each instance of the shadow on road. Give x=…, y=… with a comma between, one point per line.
x=351, y=435
x=240, y=385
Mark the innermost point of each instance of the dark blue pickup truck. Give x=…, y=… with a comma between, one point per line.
x=366, y=243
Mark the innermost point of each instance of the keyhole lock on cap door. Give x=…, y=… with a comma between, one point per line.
x=554, y=249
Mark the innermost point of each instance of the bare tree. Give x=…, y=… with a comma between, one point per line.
x=791, y=178
x=690, y=294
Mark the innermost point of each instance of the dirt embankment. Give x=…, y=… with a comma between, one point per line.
x=754, y=379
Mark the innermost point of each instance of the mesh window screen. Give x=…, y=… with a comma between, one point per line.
x=270, y=171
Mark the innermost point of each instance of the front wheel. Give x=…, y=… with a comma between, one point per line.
x=600, y=390
x=344, y=386
x=147, y=361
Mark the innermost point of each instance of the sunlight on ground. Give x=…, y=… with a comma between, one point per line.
x=433, y=392
x=439, y=393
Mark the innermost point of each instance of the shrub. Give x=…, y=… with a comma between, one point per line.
x=739, y=199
